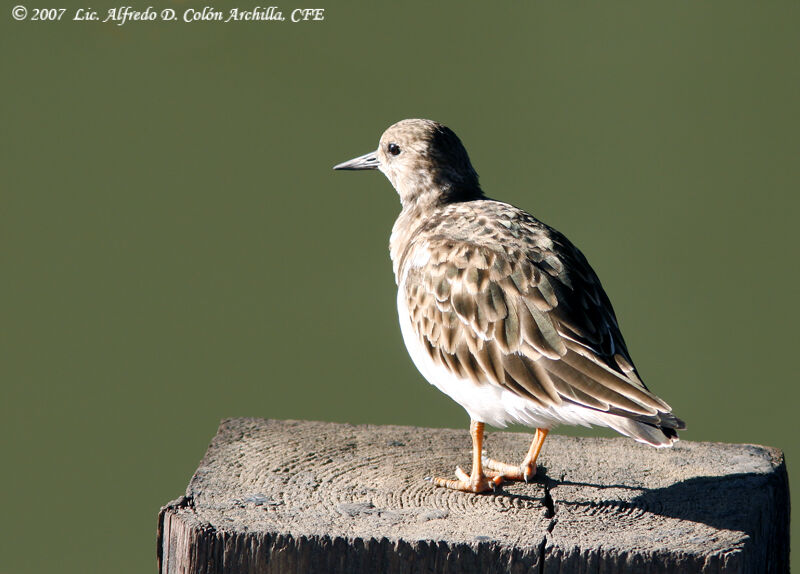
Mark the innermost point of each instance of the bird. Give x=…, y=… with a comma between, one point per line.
x=502, y=312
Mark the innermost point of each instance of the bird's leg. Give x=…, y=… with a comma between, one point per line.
x=477, y=481
x=527, y=469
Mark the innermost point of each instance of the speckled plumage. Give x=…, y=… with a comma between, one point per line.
x=499, y=310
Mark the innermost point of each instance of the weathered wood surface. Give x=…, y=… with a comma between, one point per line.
x=298, y=496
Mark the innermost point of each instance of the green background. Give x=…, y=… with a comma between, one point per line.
x=176, y=249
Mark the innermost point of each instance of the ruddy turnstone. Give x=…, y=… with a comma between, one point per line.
x=500, y=311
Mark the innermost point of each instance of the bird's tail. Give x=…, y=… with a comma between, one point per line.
x=659, y=436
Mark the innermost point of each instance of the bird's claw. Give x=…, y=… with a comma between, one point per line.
x=527, y=475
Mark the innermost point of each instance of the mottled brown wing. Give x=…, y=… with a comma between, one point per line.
x=535, y=321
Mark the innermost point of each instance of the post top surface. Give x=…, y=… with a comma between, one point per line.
x=309, y=478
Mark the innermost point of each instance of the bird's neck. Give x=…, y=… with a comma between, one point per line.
x=405, y=228
x=429, y=198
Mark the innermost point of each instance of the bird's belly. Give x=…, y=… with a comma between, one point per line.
x=486, y=401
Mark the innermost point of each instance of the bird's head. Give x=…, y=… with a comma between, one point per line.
x=425, y=162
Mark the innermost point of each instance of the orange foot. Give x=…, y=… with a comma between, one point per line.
x=476, y=483
x=525, y=471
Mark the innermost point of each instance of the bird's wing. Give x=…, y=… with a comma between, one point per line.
x=533, y=319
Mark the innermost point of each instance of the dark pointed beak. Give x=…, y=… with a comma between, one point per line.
x=366, y=161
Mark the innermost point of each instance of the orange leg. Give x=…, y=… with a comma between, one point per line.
x=527, y=469
x=477, y=481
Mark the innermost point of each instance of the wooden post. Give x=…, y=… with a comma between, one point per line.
x=299, y=496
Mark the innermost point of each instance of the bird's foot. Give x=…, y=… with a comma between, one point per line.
x=523, y=472
x=466, y=483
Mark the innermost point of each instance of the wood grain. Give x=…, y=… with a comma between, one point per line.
x=300, y=496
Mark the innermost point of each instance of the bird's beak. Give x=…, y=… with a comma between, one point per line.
x=366, y=161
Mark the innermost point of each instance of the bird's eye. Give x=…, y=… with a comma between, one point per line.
x=393, y=149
